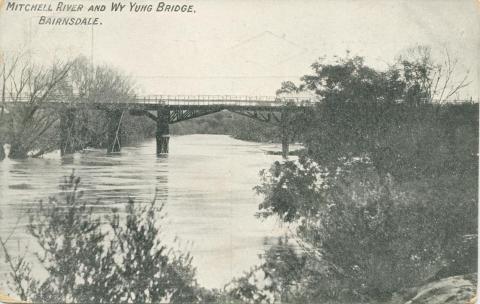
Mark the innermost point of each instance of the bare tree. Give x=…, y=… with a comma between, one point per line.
x=26, y=87
x=429, y=81
x=7, y=68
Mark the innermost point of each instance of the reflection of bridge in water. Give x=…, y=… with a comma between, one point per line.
x=170, y=109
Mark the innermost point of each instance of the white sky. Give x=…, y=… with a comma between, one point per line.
x=250, y=47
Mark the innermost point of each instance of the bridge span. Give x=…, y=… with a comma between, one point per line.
x=166, y=110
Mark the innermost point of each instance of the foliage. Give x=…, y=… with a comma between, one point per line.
x=406, y=142
x=90, y=260
x=276, y=279
x=414, y=78
x=387, y=187
x=347, y=79
x=149, y=271
x=101, y=84
x=371, y=235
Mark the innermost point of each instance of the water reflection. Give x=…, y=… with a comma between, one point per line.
x=206, y=182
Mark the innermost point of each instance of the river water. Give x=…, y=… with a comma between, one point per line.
x=206, y=181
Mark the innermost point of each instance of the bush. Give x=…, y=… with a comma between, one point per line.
x=88, y=259
x=368, y=236
x=384, y=202
x=275, y=280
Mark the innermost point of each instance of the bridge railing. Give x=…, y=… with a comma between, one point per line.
x=188, y=100
x=231, y=100
x=240, y=100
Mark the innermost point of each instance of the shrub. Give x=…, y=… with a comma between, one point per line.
x=89, y=259
x=367, y=235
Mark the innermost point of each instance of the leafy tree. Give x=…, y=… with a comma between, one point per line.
x=377, y=196
x=345, y=80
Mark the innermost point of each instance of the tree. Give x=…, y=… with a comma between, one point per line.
x=32, y=129
x=427, y=81
x=105, y=85
x=6, y=71
x=345, y=80
x=288, y=87
x=28, y=86
x=89, y=84
x=377, y=195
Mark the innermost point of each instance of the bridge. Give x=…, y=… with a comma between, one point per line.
x=166, y=110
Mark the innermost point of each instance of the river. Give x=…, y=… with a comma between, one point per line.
x=206, y=181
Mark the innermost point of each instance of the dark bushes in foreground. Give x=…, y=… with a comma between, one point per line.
x=89, y=259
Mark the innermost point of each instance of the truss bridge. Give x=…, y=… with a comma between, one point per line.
x=166, y=110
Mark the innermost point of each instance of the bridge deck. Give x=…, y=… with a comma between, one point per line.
x=179, y=101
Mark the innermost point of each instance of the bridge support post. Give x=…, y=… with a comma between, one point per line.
x=162, y=133
x=285, y=146
x=284, y=130
x=114, y=131
x=67, y=131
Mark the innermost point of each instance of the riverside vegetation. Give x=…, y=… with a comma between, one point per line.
x=384, y=196
x=32, y=130
x=383, y=199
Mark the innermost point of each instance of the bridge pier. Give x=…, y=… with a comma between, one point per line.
x=284, y=130
x=67, y=131
x=285, y=146
x=114, y=131
x=163, y=133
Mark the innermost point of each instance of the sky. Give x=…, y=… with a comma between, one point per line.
x=249, y=47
